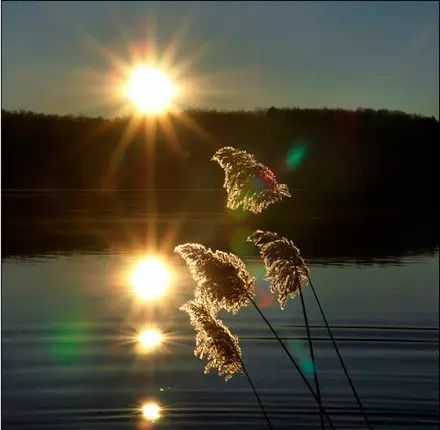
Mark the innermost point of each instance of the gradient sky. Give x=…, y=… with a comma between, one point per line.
x=255, y=54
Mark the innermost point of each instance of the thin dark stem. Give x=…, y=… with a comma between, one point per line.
x=256, y=394
x=312, y=356
x=291, y=359
x=358, y=400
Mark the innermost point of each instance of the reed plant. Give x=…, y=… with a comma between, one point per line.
x=221, y=278
x=223, y=282
x=214, y=340
x=250, y=185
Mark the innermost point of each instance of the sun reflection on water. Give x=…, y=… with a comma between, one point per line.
x=151, y=411
x=149, y=339
x=150, y=278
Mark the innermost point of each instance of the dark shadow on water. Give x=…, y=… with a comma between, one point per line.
x=64, y=222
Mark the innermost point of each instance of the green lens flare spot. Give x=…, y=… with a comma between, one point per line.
x=257, y=270
x=296, y=155
x=308, y=367
x=68, y=342
x=238, y=241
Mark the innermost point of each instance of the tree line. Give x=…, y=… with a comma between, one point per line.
x=328, y=157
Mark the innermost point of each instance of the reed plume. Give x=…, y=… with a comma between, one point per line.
x=284, y=266
x=222, y=280
x=214, y=340
x=248, y=183
x=288, y=275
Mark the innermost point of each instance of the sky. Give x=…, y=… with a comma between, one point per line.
x=57, y=56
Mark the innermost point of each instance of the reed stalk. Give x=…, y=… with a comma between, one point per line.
x=295, y=364
x=312, y=356
x=256, y=394
x=341, y=360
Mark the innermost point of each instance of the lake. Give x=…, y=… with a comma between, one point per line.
x=69, y=317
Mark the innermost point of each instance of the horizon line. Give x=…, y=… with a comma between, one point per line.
x=256, y=110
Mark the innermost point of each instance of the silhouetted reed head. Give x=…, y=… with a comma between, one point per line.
x=284, y=266
x=222, y=280
x=214, y=340
x=249, y=184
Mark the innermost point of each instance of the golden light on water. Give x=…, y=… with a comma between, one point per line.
x=150, y=279
x=151, y=411
x=150, y=89
x=149, y=339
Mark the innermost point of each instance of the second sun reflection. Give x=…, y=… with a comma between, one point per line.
x=150, y=280
x=148, y=339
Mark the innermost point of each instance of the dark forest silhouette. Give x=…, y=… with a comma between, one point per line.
x=362, y=158
x=346, y=169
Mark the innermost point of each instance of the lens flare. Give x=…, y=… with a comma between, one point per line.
x=151, y=411
x=238, y=242
x=68, y=344
x=299, y=350
x=150, y=278
x=296, y=155
x=150, y=89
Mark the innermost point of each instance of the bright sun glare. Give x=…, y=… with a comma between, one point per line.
x=150, y=278
x=149, y=338
x=151, y=411
x=150, y=89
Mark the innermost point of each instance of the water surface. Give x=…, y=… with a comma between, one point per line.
x=67, y=363
x=68, y=317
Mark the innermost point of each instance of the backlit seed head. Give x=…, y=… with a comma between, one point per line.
x=249, y=184
x=222, y=280
x=284, y=266
x=214, y=340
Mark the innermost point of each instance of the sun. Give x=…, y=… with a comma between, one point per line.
x=150, y=278
x=150, y=89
